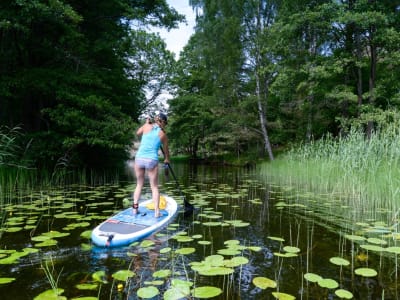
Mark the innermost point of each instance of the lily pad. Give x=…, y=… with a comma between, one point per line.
x=264, y=282
x=328, y=283
x=51, y=295
x=4, y=280
x=312, y=277
x=123, y=275
x=148, y=292
x=162, y=273
x=339, y=261
x=344, y=294
x=366, y=272
x=87, y=286
x=283, y=296
x=291, y=249
x=185, y=251
x=206, y=292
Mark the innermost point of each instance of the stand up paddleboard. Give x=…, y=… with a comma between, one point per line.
x=126, y=227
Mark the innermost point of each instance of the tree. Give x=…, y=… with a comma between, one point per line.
x=65, y=75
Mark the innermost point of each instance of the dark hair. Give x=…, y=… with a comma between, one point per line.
x=163, y=117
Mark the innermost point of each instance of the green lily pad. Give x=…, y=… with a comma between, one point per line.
x=264, y=282
x=352, y=237
x=344, y=294
x=148, y=292
x=86, y=234
x=339, y=261
x=51, y=295
x=162, y=273
x=274, y=238
x=291, y=249
x=165, y=250
x=328, y=283
x=176, y=293
x=87, y=286
x=393, y=249
x=206, y=292
x=204, y=243
x=366, y=272
x=283, y=296
x=123, y=275
x=312, y=277
x=4, y=280
x=99, y=276
x=185, y=251
x=147, y=244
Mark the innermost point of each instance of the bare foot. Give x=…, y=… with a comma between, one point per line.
x=135, y=207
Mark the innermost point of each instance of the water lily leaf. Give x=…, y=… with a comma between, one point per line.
x=86, y=234
x=162, y=273
x=47, y=243
x=185, y=251
x=254, y=248
x=215, y=260
x=239, y=260
x=206, y=292
x=312, y=277
x=4, y=280
x=372, y=248
x=393, y=249
x=232, y=242
x=376, y=241
x=85, y=298
x=231, y=252
x=123, y=275
x=344, y=294
x=176, y=293
x=87, y=286
x=154, y=282
x=264, y=282
x=51, y=295
x=291, y=249
x=283, y=296
x=328, y=283
x=147, y=243
x=165, y=250
x=274, y=238
x=339, y=261
x=148, y=292
x=287, y=254
x=197, y=236
x=99, y=276
x=354, y=237
x=215, y=271
x=366, y=272
x=204, y=242
x=13, y=229
x=183, y=239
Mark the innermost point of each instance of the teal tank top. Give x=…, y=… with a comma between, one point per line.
x=150, y=144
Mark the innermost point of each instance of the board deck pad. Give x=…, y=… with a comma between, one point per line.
x=144, y=217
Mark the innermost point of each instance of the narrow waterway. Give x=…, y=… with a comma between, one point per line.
x=247, y=239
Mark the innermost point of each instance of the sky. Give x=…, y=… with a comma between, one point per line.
x=176, y=39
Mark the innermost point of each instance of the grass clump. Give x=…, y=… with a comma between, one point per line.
x=362, y=171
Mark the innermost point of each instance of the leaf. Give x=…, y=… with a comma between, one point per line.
x=148, y=292
x=366, y=272
x=123, y=275
x=206, y=292
x=264, y=282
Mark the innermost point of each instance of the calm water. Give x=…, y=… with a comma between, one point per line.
x=234, y=207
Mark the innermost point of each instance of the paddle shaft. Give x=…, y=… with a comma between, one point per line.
x=188, y=205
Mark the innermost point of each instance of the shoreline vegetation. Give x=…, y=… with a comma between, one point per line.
x=362, y=173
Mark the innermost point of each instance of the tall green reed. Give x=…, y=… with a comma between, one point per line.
x=363, y=172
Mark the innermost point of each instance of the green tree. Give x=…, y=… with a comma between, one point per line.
x=65, y=75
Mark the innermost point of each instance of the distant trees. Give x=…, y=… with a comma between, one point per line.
x=281, y=71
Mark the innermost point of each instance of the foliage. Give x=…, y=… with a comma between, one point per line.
x=66, y=75
x=302, y=68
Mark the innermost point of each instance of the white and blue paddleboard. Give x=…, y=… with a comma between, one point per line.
x=126, y=227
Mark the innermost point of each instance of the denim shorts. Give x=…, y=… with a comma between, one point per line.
x=146, y=163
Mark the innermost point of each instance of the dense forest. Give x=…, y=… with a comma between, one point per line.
x=75, y=76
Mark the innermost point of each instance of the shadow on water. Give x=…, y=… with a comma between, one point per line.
x=237, y=214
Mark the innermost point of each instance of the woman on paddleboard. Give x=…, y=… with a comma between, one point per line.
x=146, y=158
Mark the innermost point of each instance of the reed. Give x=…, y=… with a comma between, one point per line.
x=363, y=173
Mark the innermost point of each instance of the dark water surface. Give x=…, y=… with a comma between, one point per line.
x=234, y=206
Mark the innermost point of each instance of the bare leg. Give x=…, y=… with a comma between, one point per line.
x=153, y=178
x=139, y=172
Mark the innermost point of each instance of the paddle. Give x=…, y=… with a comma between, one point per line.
x=188, y=206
